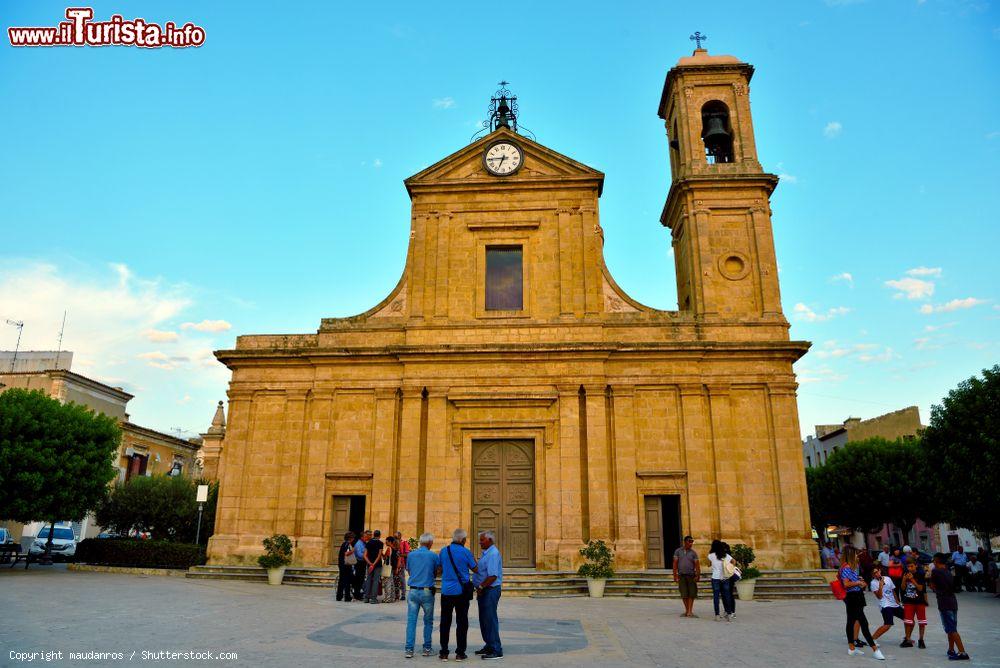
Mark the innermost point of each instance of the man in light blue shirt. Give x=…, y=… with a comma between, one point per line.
x=359, y=567
x=423, y=566
x=456, y=562
x=488, y=578
x=960, y=560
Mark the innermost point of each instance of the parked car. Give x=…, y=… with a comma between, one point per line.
x=5, y=537
x=63, y=543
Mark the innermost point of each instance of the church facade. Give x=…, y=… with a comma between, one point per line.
x=508, y=383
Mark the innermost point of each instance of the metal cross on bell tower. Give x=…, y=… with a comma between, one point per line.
x=698, y=38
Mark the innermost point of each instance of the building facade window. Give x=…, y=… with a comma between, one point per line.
x=504, y=278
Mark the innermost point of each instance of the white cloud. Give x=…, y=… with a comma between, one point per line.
x=208, y=326
x=444, y=102
x=803, y=312
x=846, y=277
x=832, y=129
x=924, y=271
x=995, y=134
x=886, y=355
x=377, y=163
x=823, y=374
x=953, y=305
x=935, y=328
x=912, y=288
x=788, y=178
x=160, y=336
x=836, y=350
x=926, y=343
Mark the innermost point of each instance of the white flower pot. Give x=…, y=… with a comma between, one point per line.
x=596, y=587
x=745, y=589
x=275, y=575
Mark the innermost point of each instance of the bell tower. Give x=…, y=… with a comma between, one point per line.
x=717, y=208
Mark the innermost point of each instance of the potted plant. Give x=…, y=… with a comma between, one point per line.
x=598, y=568
x=277, y=555
x=744, y=556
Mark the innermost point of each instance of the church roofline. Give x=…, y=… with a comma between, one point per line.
x=420, y=180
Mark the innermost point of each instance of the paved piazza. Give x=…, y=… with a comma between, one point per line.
x=51, y=610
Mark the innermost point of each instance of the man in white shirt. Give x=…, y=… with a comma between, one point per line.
x=884, y=556
x=885, y=592
x=975, y=580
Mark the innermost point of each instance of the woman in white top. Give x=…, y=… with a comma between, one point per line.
x=718, y=557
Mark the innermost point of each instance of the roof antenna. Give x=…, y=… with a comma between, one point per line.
x=61, y=330
x=20, y=328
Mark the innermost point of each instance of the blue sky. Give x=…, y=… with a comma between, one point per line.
x=172, y=199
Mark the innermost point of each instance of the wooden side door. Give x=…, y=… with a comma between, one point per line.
x=340, y=519
x=655, y=558
x=503, y=497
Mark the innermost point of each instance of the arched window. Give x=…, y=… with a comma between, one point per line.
x=717, y=132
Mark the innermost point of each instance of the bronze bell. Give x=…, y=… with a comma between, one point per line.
x=715, y=133
x=502, y=112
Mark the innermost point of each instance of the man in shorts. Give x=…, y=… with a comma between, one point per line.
x=687, y=572
x=885, y=592
x=943, y=585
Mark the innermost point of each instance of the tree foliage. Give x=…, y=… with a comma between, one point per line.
x=164, y=506
x=869, y=483
x=56, y=459
x=963, y=448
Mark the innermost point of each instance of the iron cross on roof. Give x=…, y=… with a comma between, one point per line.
x=698, y=38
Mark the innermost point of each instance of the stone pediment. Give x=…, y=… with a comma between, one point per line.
x=465, y=167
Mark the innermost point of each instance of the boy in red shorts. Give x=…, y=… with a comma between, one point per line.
x=913, y=588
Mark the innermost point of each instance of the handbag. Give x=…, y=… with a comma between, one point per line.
x=837, y=587
x=467, y=587
x=350, y=559
x=729, y=568
x=386, y=568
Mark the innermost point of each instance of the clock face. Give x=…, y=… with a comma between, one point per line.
x=503, y=158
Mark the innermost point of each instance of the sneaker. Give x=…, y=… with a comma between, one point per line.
x=442, y=655
x=460, y=657
x=409, y=654
x=485, y=650
x=491, y=656
x=718, y=618
x=958, y=657
x=906, y=643
x=729, y=618
x=920, y=644
x=952, y=653
x=855, y=652
x=427, y=652
x=878, y=655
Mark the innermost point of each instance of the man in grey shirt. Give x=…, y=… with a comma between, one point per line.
x=687, y=572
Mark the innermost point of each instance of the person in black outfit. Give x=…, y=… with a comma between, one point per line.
x=373, y=567
x=345, y=578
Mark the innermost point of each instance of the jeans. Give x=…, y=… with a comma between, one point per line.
x=345, y=583
x=373, y=579
x=460, y=605
x=723, y=589
x=417, y=600
x=359, y=578
x=489, y=623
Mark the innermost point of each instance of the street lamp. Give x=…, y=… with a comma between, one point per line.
x=201, y=499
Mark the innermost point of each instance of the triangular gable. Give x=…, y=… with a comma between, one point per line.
x=465, y=166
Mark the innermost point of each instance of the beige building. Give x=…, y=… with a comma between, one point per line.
x=508, y=383
x=904, y=423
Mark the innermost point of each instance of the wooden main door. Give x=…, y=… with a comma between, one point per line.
x=503, y=497
x=663, y=529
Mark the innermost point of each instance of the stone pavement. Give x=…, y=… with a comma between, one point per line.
x=56, y=610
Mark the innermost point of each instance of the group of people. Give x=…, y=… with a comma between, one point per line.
x=725, y=575
x=903, y=598
x=374, y=572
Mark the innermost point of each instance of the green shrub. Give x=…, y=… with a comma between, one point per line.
x=600, y=559
x=164, y=506
x=744, y=556
x=135, y=553
x=277, y=551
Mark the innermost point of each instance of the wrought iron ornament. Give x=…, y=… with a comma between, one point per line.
x=698, y=38
x=502, y=113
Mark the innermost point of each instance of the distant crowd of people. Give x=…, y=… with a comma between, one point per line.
x=899, y=582
x=376, y=572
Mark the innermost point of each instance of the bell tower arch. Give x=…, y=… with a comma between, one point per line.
x=717, y=208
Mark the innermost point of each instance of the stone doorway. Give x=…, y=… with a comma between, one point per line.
x=503, y=497
x=663, y=529
x=347, y=514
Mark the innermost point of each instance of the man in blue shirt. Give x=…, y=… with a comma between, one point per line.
x=423, y=566
x=456, y=562
x=488, y=578
x=360, y=570
x=960, y=560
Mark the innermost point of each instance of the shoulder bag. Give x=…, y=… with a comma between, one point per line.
x=729, y=568
x=467, y=587
x=386, y=565
x=350, y=559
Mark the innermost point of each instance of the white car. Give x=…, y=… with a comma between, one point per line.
x=63, y=543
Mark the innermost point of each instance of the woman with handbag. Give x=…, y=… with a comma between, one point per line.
x=854, y=602
x=346, y=559
x=721, y=560
x=390, y=564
